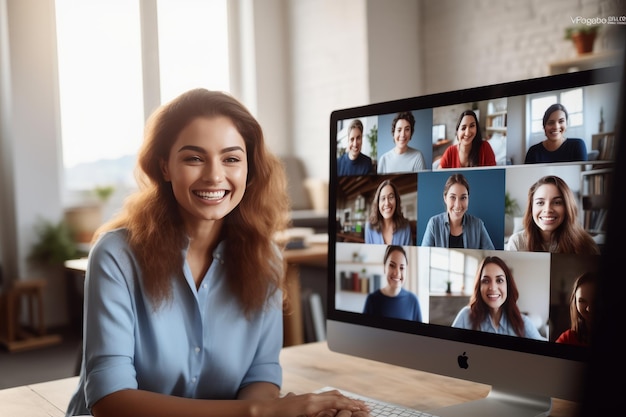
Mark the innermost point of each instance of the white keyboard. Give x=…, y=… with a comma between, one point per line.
x=381, y=408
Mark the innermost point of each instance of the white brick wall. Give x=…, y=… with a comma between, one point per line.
x=461, y=44
x=475, y=42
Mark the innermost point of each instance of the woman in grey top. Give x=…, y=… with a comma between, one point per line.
x=455, y=228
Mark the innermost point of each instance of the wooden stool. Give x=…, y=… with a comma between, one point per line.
x=17, y=337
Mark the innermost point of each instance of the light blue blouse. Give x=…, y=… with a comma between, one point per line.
x=198, y=345
x=530, y=331
x=475, y=235
x=400, y=236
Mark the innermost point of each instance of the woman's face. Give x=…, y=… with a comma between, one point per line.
x=493, y=286
x=402, y=134
x=467, y=130
x=207, y=168
x=395, y=269
x=387, y=202
x=556, y=125
x=548, y=208
x=584, y=296
x=355, y=142
x=457, y=200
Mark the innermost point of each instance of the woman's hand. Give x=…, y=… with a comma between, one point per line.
x=325, y=404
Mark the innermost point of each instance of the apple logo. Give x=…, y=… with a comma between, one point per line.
x=462, y=360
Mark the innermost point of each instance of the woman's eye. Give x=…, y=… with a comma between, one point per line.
x=232, y=159
x=193, y=158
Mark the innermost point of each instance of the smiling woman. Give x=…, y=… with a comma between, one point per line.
x=165, y=280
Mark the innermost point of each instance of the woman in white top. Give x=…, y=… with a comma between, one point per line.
x=402, y=158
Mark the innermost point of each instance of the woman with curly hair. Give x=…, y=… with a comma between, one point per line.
x=402, y=157
x=493, y=304
x=551, y=221
x=184, y=288
x=386, y=224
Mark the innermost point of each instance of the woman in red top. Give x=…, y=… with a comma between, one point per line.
x=470, y=149
x=580, y=310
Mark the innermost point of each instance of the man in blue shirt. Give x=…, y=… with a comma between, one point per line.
x=353, y=161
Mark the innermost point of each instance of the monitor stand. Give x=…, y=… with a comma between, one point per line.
x=499, y=403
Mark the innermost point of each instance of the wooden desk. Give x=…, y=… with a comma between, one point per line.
x=315, y=255
x=293, y=322
x=306, y=368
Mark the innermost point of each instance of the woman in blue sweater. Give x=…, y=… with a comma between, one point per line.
x=393, y=300
x=455, y=227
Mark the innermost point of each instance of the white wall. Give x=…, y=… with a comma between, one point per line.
x=34, y=136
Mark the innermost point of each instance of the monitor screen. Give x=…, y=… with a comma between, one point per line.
x=459, y=224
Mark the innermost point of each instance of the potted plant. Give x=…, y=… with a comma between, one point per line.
x=84, y=219
x=104, y=192
x=54, y=245
x=583, y=37
x=372, y=138
x=511, y=208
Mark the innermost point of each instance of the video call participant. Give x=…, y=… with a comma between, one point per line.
x=556, y=147
x=455, y=227
x=175, y=323
x=493, y=303
x=470, y=150
x=353, y=161
x=551, y=221
x=402, y=157
x=581, y=311
x=386, y=223
x=392, y=300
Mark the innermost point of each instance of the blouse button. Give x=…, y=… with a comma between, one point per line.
x=197, y=349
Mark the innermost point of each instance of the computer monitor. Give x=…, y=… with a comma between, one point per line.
x=525, y=370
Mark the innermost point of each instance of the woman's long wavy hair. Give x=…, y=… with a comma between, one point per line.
x=570, y=236
x=156, y=233
x=376, y=219
x=476, y=142
x=479, y=310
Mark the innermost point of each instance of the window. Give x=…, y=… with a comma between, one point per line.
x=193, y=46
x=451, y=266
x=101, y=81
x=571, y=99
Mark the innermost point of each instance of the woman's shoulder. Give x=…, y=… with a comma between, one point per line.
x=517, y=241
x=577, y=143
x=112, y=238
x=472, y=218
x=452, y=148
x=112, y=244
x=405, y=294
x=439, y=218
x=463, y=312
x=574, y=141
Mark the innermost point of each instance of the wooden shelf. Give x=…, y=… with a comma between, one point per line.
x=585, y=62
